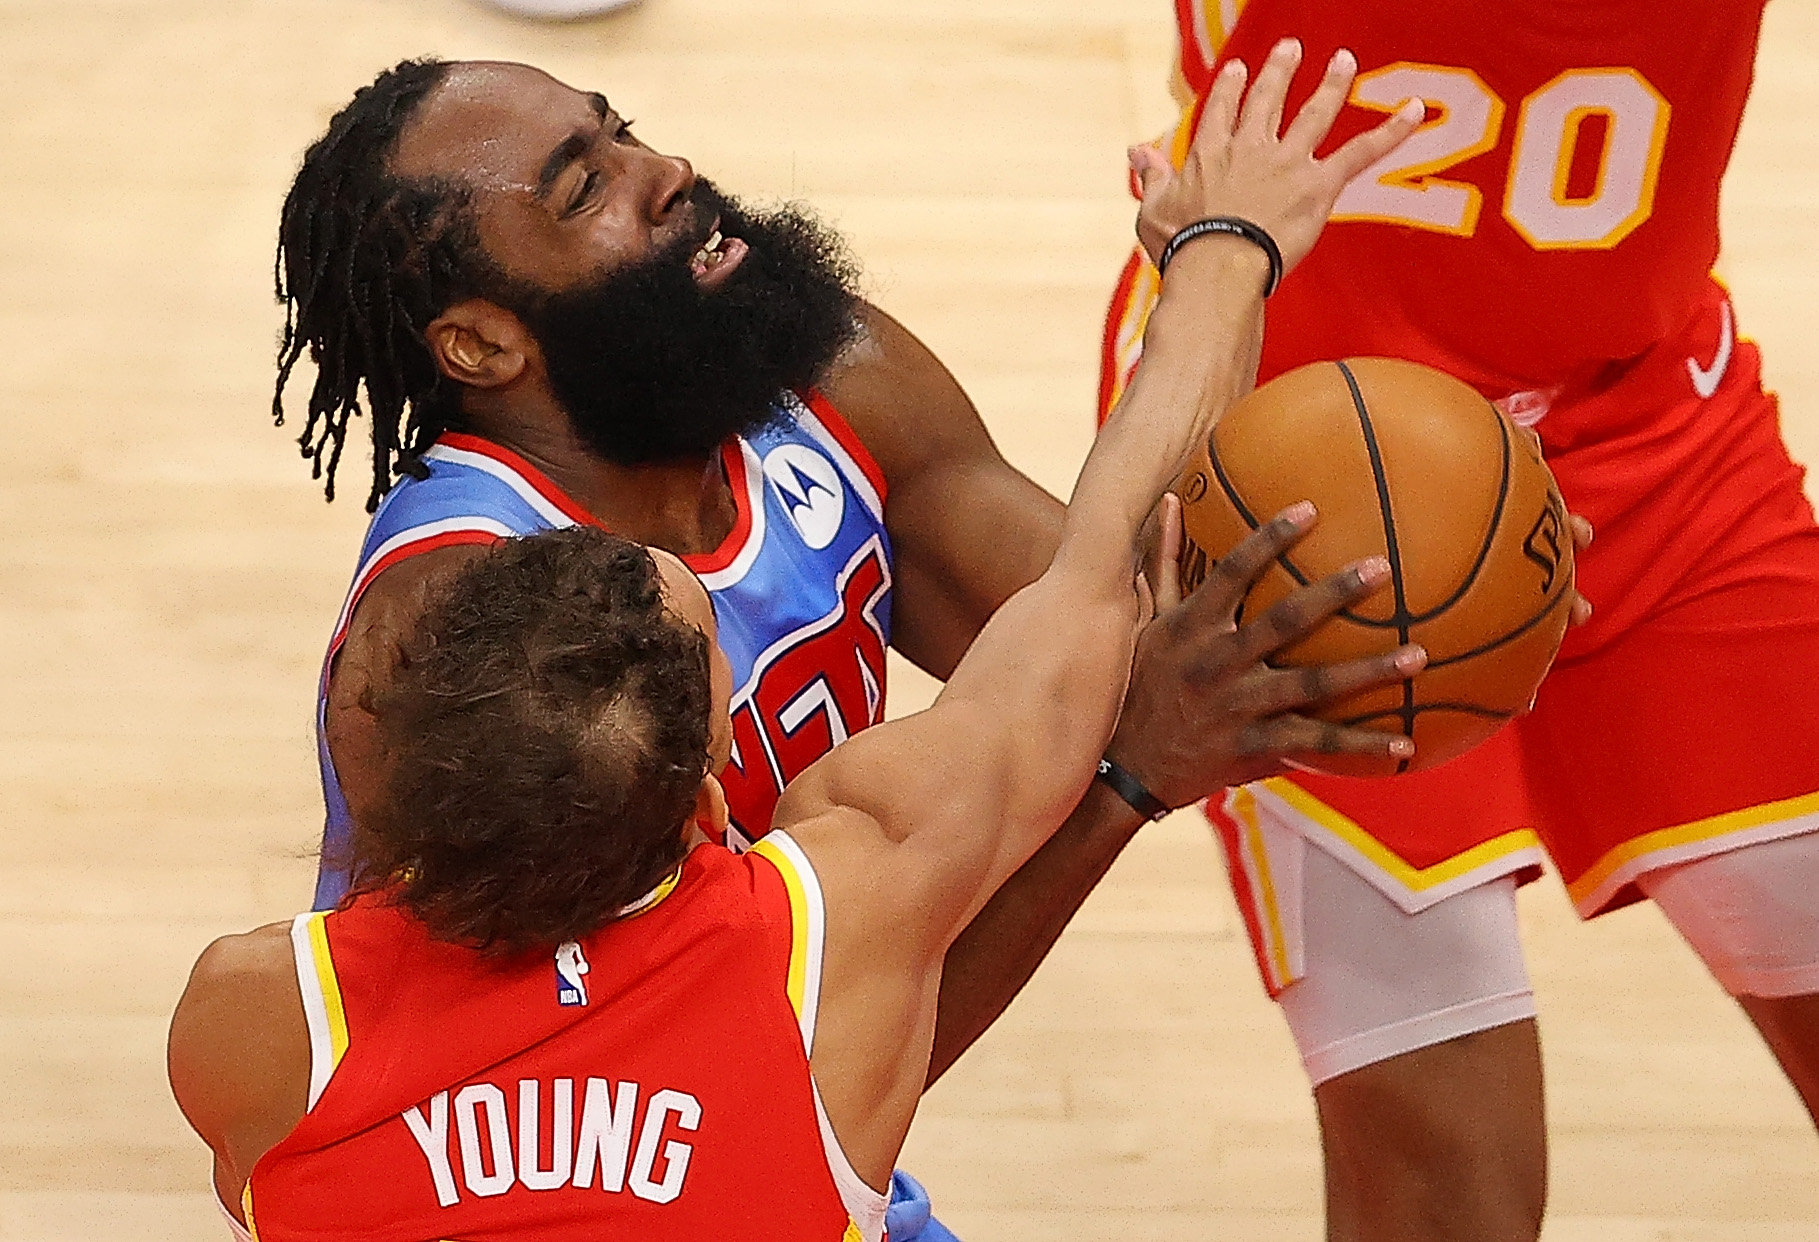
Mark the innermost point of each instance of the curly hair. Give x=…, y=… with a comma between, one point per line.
x=366, y=259
x=546, y=737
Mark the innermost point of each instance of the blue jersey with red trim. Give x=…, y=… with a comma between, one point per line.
x=801, y=590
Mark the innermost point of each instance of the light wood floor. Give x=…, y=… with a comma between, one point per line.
x=168, y=575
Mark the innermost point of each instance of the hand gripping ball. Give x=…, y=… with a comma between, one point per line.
x=1409, y=464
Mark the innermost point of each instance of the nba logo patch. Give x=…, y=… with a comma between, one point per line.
x=571, y=965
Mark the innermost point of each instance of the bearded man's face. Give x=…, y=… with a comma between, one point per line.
x=658, y=342
x=654, y=363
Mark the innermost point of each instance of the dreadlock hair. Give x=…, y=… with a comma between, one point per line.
x=546, y=735
x=365, y=261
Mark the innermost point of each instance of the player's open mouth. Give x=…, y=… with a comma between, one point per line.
x=716, y=259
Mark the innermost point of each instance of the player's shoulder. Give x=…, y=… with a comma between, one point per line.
x=239, y=992
x=464, y=486
x=874, y=875
x=248, y=960
x=408, y=583
x=239, y=1052
x=902, y=403
x=886, y=366
x=818, y=834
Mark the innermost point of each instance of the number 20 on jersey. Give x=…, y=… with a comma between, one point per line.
x=1539, y=200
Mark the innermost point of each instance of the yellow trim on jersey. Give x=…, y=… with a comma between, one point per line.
x=649, y=901
x=1178, y=89
x=1133, y=319
x=1181, y=138
x=1415, y=879
x=1699, y=830
x=1217, y=24
x=798, y=919
x=246, y=1209
x=324, y=962
x=1225, y=28
x=852, y=1233
x=1244, y=806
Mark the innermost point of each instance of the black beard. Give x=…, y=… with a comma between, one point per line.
x=651, y=367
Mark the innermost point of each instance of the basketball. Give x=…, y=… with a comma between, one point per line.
x=1412, y=465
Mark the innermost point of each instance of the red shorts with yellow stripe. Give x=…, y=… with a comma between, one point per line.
x=1682, y=721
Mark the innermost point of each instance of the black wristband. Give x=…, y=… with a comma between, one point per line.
x=1230, y=226
x=1131, y=790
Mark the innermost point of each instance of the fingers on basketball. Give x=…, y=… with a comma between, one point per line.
x=1415, y=467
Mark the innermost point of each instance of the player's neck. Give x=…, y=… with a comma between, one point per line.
x=684, y=506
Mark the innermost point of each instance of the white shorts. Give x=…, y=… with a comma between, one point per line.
x=1751, y=914
x=1378, y=982
x=1369, y=981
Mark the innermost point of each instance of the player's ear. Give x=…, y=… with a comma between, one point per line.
x=710, y=807
x=480, y=344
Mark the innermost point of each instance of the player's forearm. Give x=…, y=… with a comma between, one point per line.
x=1199, y=355
x=1008, y=748
x=1006, y=941
x=1046, y=676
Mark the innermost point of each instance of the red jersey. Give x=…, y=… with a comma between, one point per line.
x=592, y=1093
x=1547, y=236
x=1559, y=210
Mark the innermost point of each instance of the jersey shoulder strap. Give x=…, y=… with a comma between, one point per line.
x=323, y=1012
x=472, y=491
x=794, y=901
x=807, y=920
x=822, y=424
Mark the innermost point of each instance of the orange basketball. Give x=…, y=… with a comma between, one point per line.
x=1409, y=464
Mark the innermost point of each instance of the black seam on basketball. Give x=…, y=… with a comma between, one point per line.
x=1392, y=552
x=1225, y=483
x=1250, y=519
x=1546, y=611
x=1490, y=533
x=1477, y=567
x=1243, y=510
x=1469, y=709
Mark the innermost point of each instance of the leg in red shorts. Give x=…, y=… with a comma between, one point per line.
x=1673, y=755
x=1671, y=752
x=1383, y=916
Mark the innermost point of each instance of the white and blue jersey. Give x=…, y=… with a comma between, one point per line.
x=801, y=590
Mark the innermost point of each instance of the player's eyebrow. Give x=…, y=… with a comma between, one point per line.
x=571, y=148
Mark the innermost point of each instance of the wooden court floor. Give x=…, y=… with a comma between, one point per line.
x=168, y=575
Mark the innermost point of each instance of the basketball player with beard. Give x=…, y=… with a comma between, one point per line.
x=544, y=939
x=554, y=324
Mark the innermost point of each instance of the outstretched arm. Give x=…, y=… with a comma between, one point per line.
x=913, y=824
x=969, y=530
x=1066, y=639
